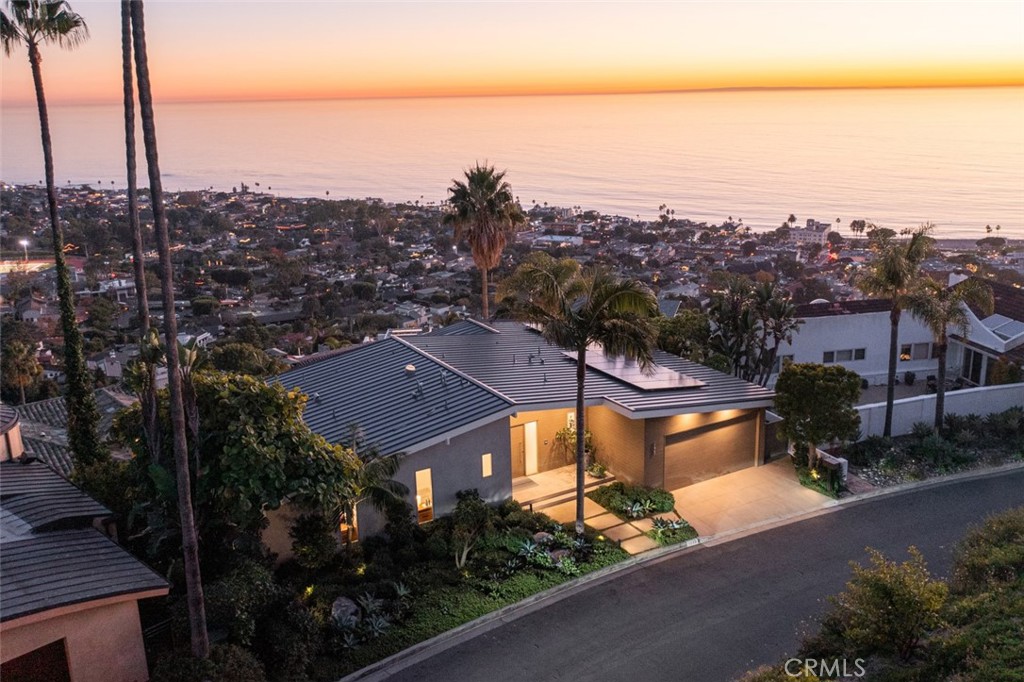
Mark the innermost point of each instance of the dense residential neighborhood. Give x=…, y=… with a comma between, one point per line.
x=430, y=426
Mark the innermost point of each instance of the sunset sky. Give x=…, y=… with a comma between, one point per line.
x=224, y=50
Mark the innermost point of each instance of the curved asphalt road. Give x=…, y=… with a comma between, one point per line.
x=711, y=613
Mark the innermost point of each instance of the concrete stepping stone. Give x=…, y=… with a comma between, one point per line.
x=621, y=532
x=640, y=543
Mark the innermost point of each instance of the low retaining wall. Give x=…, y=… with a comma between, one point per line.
x=908, y=411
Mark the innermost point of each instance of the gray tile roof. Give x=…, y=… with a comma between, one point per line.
x=57, y=456
x=54, y=412
x=50, y=553
x=518, y=363
x=62, y=568
x=464, y=328
x=43, y=499
x=369, y=386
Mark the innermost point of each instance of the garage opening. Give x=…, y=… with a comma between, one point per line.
x=709, y=451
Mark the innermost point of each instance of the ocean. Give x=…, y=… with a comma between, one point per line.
x=953, y=157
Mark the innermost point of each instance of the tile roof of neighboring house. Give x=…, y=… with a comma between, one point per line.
x=42, y=499
x=470, y=327
x=370, y=387
x=669, y=306
x=50, y=555
x=54, y=412
x=55, y=455
x=1008, y=300
x=871, y=305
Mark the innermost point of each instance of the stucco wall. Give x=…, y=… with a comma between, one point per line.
x=549, y=422
x=103, y=643
x=619, y=442
x=906, y=412
x=454, y=466
x=869, y=331
x=658, y=428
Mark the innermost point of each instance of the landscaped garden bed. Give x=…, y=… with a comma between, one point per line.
x=965, y=442
x=668, y=531
x=630, y=502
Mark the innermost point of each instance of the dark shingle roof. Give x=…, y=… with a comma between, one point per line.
x=369, y=386
x=44, y=500
x=50, y=553
x=62, y=568
x=869, y=305
x=55, y=455
x=520, y=364
x=54, y=412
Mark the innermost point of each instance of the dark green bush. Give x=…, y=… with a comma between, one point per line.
x=868, y=451
x=991, y=554
x=313, y=541
x=236, y=601
x=227, y=663
x=940, y=452
x=287, y=639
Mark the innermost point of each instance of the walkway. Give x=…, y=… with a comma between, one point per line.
x=724, y=504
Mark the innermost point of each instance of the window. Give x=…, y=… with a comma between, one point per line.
x=485, y=462
x=780, y=362
x=971, y=369
x=424, y=496
x=915, y=351
x=844, y=355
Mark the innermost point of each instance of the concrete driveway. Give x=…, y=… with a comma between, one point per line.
x=747, y=498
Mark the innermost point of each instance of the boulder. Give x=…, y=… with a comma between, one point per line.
x=543, y=538
x=344, y=610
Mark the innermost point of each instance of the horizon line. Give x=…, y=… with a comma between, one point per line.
x=595, y=93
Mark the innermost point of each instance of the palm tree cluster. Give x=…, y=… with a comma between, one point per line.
x=485, y=213
x=895, y=274
x=581, y=309
x=750, y=322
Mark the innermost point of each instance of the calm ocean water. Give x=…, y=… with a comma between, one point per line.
x=897, y=157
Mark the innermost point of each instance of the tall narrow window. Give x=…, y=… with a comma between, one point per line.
x=424, y=496
x=485, y=464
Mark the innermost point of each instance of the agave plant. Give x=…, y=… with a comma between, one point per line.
x=371, y=605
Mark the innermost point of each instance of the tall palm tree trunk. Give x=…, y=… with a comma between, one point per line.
x=581, y=465
x=82, y=412
x=890, y=389
x=22, y=387
x=148, y=399
x=189, y=537
x=485, y=304
x=940, y=386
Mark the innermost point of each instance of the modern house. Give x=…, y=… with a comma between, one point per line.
x=475, y=405
x=855, y=334
x=69, y=607
x=994, y=341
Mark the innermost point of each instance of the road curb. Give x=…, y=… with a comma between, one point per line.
x=430, y=647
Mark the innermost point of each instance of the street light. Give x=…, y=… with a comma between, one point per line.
x=24, y=245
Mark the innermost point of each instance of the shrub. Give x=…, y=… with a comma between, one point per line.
x=227, y=663
x=671, y=531
x=940, y=452
x=921, y=430
x=633, y=501
x=991, y=554
x=869, y=451
x=287, y=639
x=888, y=607
x=778, y=673
x=237, y=600
x=313, y=541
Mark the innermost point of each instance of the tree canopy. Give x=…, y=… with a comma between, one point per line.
x=816, y=403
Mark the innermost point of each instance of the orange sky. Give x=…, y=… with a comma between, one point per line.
x=227, y=50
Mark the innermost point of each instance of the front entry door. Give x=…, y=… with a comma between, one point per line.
x=518, y=451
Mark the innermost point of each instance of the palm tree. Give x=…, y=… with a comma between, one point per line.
x=577, y=309
x=33, y=23
x=20, y=366
x=893, y=274
x=147, y=396
x=372, y=480
x=189, y=537
x=483, y=212
x=940, y=308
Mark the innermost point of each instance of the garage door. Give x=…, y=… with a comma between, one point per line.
x=700, y=454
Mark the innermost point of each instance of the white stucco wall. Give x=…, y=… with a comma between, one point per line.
x=906, y=412
x=869, y=331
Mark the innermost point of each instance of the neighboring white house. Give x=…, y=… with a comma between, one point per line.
x=813, y=233
x=855, y=334
x=997, y=337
